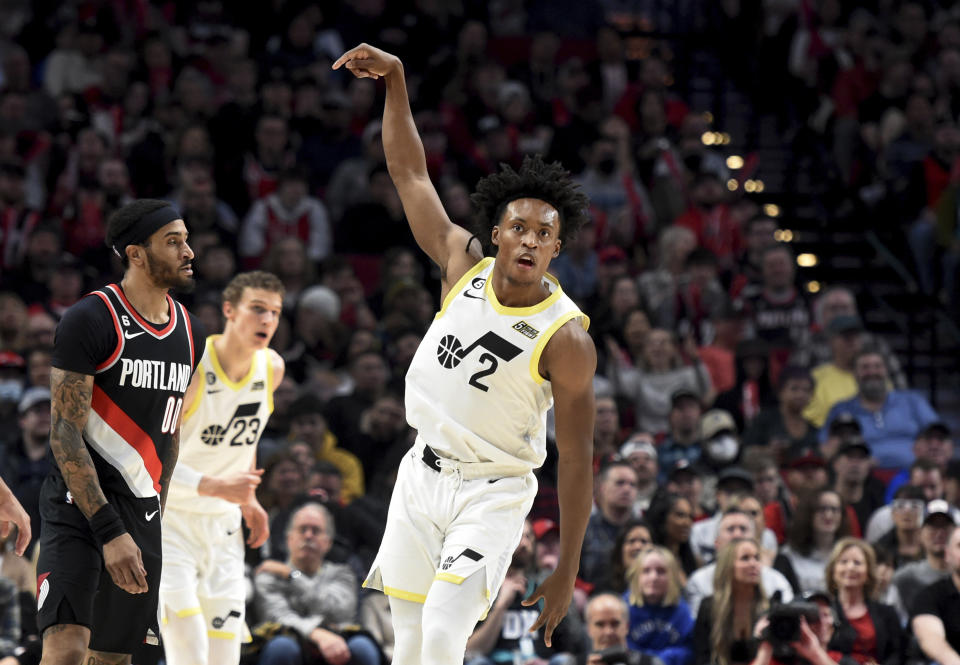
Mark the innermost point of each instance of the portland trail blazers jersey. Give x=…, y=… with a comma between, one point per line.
x=141, y=372
x=222, y=426
x=474, y=390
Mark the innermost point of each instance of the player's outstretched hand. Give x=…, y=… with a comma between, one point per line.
x=258, y=523
x=366, y=61
x=11, y=512
x=123, y=561
x=557, y=592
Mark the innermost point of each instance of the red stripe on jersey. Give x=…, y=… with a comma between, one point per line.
x=116, y=326
x=130, y=431
x=143, y=323
x=186, y=320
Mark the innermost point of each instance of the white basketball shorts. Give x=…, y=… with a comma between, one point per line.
x=443, y=527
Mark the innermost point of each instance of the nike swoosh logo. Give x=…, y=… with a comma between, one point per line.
x=211, y=392
x=129, y=335
x=150, y=516
x=467, y=294
x=230, y=533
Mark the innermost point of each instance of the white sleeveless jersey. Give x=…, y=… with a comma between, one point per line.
x=220, y=430
x=474, y=391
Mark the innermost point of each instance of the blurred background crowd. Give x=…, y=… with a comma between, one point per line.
x=771, y=273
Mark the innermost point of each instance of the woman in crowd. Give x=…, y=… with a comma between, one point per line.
x=820, y=521
x=634, y=537
x=670, y=517
x=660, y=620
x=661, y=371
x=867, y=630
x=723, y=633
x=753, y=390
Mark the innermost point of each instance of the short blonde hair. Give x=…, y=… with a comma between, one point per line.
x=870, y=586
x=674, y=577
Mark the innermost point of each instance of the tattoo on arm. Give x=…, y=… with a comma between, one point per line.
x=168, y=463
x=71, y=395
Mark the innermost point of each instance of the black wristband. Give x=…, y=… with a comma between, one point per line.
x=106, y=524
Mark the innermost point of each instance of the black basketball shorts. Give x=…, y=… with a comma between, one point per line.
x=74, y=587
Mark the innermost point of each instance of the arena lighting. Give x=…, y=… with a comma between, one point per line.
x=806, y=260
x=783, y=235
x=723, y=138
x=749, y=186
x=734, y=162
x=813, y=287
x=708, y=138
x=771, y=210
x=708, y=117
x=732, y=184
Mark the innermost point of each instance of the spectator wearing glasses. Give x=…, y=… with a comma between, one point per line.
x=903, y=540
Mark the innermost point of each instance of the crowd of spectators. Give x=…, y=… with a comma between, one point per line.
x=752, y=445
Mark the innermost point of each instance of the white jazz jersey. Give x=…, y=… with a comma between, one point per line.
x=221, y=428
x=474, y=391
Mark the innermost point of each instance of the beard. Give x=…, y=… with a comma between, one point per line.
x=167, y=277
x=873, y=389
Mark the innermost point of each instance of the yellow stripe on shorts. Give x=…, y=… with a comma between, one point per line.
x=405, y=595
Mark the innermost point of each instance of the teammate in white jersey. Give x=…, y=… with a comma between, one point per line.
x=506, y=344
x=202, y=589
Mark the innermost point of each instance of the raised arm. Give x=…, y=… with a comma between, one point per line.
x=71, y=394
x=441, y=239
x=569, y=362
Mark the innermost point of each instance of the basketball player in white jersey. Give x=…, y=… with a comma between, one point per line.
x=202, y=590
x=505, y=345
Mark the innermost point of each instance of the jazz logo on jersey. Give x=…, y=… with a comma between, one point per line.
x=468, y=553
x=526, y=329
x=450, y=352
x=243, y=428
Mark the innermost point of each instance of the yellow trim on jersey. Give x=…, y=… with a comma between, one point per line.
x=467, y=276
x=405, y=595
x=218, y=370
x=545, y=337
x=189, y=612
x=197, y=396
x=221, y=634
x=269, y=360
x=524, y=311
x=449, y=577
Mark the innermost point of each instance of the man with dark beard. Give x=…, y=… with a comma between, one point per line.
x=123, y=358
x=504, y=635
x=890, y=419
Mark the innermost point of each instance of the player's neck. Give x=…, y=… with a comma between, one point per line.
x=149, y=300
x=234, y=357
x=512, y=294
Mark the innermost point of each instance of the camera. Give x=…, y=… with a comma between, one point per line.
x=784, y=626
x=614, y=655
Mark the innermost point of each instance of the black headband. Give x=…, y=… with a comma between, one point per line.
x=143, y=228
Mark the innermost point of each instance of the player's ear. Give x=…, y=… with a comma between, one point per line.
x=227, y=309
x=556, y=249
x=134, y=253
x=495, y=235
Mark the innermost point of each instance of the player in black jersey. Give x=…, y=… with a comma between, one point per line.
x=123, y=357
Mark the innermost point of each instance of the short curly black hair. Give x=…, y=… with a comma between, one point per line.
x=536, y=179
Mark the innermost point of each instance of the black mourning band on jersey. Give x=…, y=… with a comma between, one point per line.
x=106, y=524
x=143, y=228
